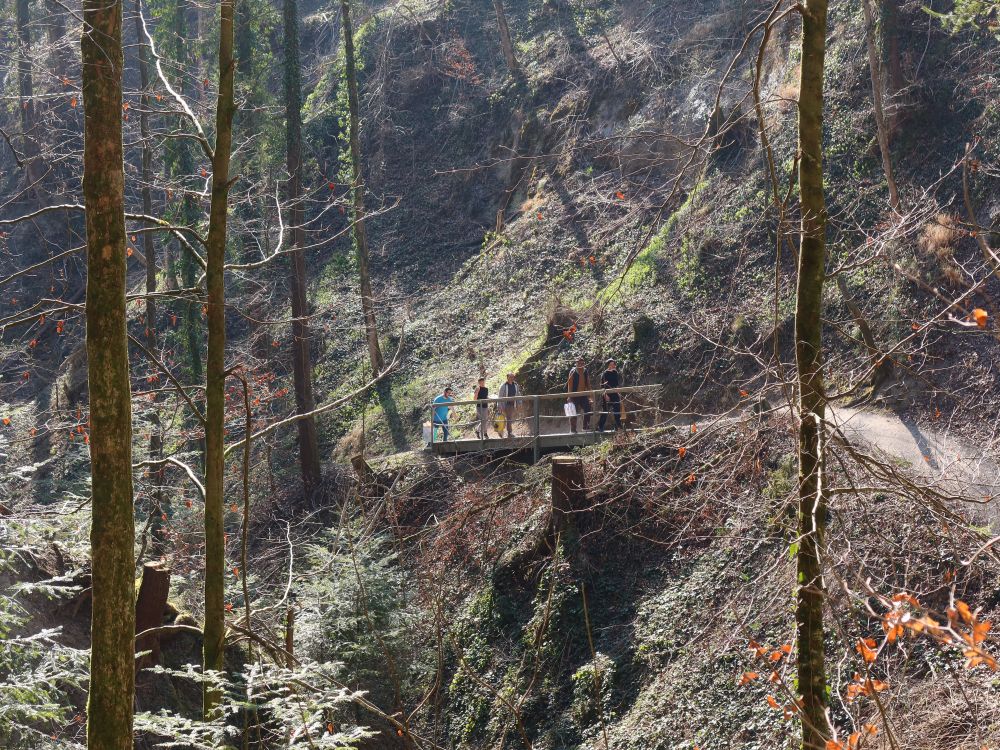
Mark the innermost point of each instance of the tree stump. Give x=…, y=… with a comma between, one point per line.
x=568, y=492
x=363, y=470
x=150, y=605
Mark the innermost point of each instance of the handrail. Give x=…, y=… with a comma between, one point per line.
x=550, y=396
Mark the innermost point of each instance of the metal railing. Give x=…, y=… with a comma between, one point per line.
x=537, y=415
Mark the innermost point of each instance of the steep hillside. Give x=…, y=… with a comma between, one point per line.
x=660, y=251
x=610, y=197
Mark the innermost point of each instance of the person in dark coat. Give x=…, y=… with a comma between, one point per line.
x=612, y=402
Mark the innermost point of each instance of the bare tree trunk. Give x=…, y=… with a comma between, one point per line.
x=309, y=460
x=155, y=449
x=112, y=533
x=26, y=93
x=810, y=592
x=215, y=366
x=878, y=99
x=358, y=190
x=55, y=33
x=180, y=164
x=890, y=44
x=505, y=40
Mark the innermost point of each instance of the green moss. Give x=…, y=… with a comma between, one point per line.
x=642, y=272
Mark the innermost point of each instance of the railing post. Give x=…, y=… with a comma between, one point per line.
x=537, y=429
x=594, y=416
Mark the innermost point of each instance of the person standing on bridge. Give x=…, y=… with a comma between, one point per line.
x=510, y=389
x=442, y=409
x=481, y=395
x=578, y=383
x=612, y=402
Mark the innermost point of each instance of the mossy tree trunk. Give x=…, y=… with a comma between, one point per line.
x=309, y=461
x=358, y=192
x=112, y=534
x=215, y=366
x=810, y=592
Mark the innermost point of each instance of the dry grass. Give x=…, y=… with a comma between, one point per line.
x=939, y=236
x=937, y=240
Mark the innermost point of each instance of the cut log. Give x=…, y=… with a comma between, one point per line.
x=568, y=492
x=150, y=606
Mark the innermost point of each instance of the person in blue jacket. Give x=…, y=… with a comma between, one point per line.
x=441, y=410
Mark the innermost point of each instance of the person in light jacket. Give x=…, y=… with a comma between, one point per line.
x=510, y=389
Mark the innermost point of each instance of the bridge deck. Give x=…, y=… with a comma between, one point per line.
x=546, y=442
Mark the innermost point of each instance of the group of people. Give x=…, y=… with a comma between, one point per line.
x=578, y=403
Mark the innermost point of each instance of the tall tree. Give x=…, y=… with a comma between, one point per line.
x=810, y=592
x=179, y=165
x=301, y=362
x=358, y=192
x=215, y=364
x=155, y=448
x=112, y=535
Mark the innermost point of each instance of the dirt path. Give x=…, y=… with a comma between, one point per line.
x=965, y=468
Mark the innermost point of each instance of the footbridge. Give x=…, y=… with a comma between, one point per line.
x=540, y=423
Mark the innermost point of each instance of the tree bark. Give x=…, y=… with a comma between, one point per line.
x=358, y=192
x=155, y=446
x=878, y=99
x=505, y=40
x=215, y=366
x=309, y=460
x=810, y=593
x=112, y=533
